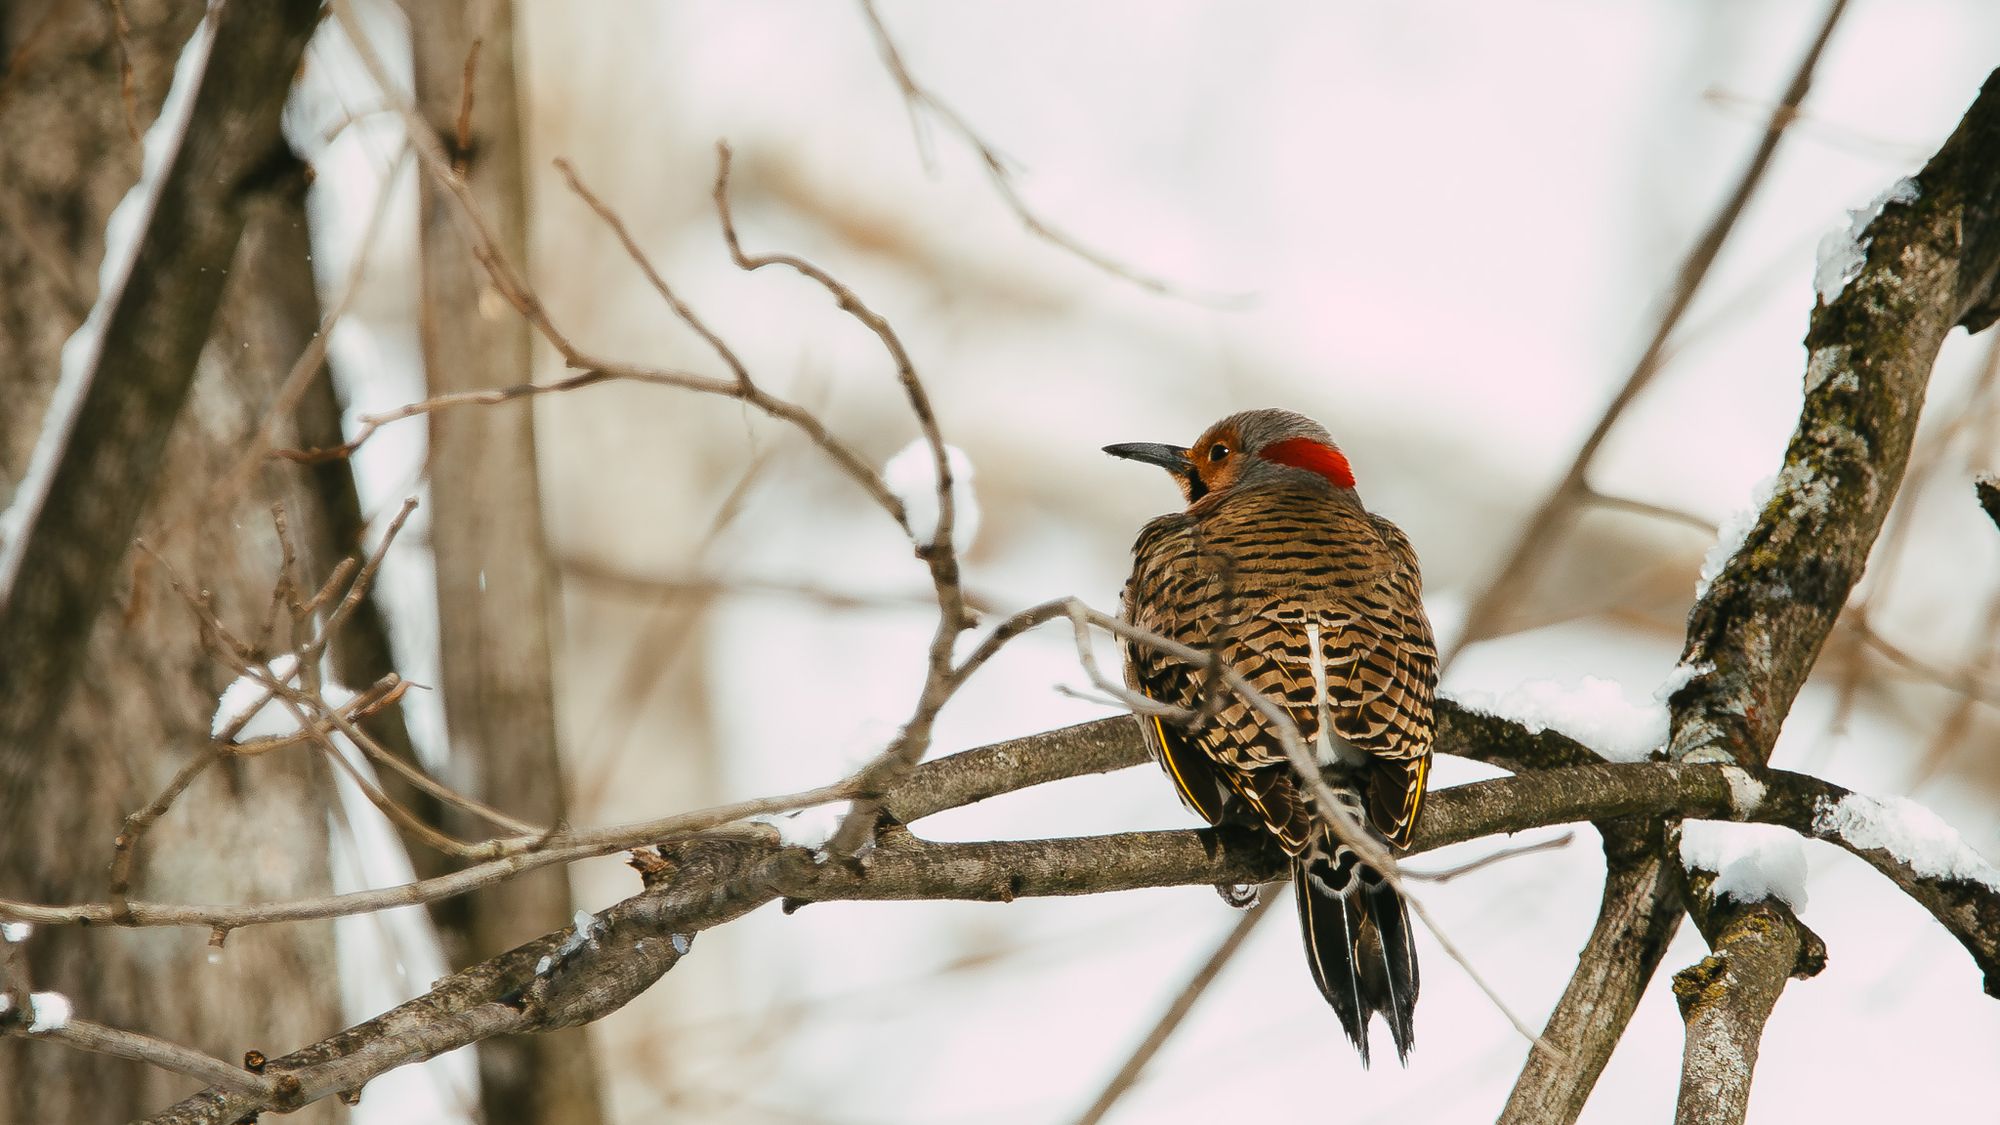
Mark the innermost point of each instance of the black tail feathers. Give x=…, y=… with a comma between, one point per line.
x=1358, y=942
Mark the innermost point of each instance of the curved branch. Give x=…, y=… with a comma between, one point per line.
x=1757, y=631
x=1931, y=266
x=1968, y=905
x=1099, y=746
x=1725, y=999
x=1549, y=521
x=1638, y=915
x=1640, y=910
x=703, y=882
x=86, y=1035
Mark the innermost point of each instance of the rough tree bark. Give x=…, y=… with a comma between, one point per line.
x=1642, y=904
x=112, y=704
x=1640, y=912
x=1756, y=633
x=1726, y=997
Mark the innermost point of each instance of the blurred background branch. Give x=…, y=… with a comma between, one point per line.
x=661, y=673
x=498, y=618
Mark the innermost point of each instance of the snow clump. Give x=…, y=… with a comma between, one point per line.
x=48, y=1011
x=911, y=476
x=585, y=931
x=1595, y=712
x=807, y=828
x=1730, y=536
x=1842, y=251
x=1752, y=862
x=1908, y=831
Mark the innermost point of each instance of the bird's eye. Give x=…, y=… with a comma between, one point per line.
x=1218, y=451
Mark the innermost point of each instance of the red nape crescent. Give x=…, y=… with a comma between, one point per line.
x=1312, y=456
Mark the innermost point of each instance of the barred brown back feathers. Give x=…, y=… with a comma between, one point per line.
x=1273, y=550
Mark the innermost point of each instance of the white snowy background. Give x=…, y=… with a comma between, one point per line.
x=1445, y=230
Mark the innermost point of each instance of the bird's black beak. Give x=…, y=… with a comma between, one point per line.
x=1172, y=458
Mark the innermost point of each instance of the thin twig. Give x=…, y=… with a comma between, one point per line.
x=660, y=589
x=1170, y=1020
x=1542, y=531
x=1445, y=875
x=1332, y=812
x=1000, y=171
x=128, y=98
x=462, y=153
x=514, y=857
x=125, y=846
x=86, y=1035
x=680, y=308
x=316, y=720
x=508, y=282
x=1650, y=510
x=257, y=448
x=698, y=883
x=939, y=554
x=1635, y=918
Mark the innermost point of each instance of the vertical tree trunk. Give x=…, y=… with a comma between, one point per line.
x=142, y=700
x=495, y=587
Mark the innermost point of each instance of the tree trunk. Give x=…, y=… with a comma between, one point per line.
x=141, y=701
x=495, y=585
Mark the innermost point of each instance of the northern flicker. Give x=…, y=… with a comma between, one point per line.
x=1273, y=552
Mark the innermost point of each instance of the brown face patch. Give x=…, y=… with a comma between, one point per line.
x=1218, y=457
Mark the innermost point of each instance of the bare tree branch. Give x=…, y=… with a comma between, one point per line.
x=1183, y=1002
x=85, y=1035
x=1001, y=172
x=498, y=614
x=1756, y=632
x=1754, y=636
x=708, y=880
x=1639, y=913
x=1931, y=264
x=939, y=553
x=508, y=282
x=1550, y=520
x=1728, y=995
x=200, y=304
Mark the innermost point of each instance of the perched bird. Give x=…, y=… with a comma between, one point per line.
x=1273, y=553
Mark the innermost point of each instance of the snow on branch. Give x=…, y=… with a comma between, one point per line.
x=1596, y=712
x=706, y=880
x=1753, y=636
x=1916, y=837
x=1930, y=262
x=1641, y=908
x=1752, y=863
x=1844, y=249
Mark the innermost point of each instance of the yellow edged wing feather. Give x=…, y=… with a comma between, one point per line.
x=1184, y=763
